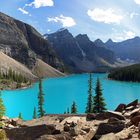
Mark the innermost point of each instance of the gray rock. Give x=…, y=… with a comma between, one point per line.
x=105, y=128
x=110, y=136
x=135, y=120
x=110, y=114
x=113, y=120
x=120, y=108
x=64, y=136
x=90, y=117
x=31, y=133
x=134, y=103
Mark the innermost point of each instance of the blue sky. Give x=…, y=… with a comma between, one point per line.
x=104, y=19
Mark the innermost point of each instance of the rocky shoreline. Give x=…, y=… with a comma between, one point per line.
x=121, y=124
x=14, y=85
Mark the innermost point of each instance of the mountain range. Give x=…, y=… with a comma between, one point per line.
x=59, y=52
x=79, y=53
x=126, y=50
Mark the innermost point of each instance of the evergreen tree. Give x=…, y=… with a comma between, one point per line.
x=2, y=108
x=20, y=116
x=98, y=100
x=34, y=113
x=89, y=100
x=73, y=108
x=41, y=111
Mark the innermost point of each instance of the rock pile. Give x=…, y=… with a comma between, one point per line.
x=121, y=124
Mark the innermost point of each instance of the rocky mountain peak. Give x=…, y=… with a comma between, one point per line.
x=109, y=41
x=82, y=37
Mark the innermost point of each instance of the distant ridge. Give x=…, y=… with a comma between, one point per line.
x=126, y=50
x=80, y=54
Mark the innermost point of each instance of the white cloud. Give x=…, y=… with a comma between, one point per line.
x=23, y=11
x=65, y=21
x=107, y=16
x=124, y=35
x=137, y=1
x=41, y=3
x=134, y=14
x=129, y=34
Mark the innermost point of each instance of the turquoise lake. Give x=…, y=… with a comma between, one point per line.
x=61, y=92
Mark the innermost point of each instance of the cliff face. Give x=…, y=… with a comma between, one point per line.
x=80, y=54
x=23, y=43
x=128, y=50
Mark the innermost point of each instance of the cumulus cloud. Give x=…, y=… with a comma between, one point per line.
x=107, y=16
x=65, y=21
x=124, y=35
x=137, y=1
x=129, y=34
x=41, y=3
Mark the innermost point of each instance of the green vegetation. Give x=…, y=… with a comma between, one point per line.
x=41, y=111
x=89, y=101
x=129, y=73
x=13, y=76
x=98, y=100
x=73, y=108
x=3, y=135
x=12, y=80
x=95, y=104
x=34, y=113
x=2, y=108
x=20, y=116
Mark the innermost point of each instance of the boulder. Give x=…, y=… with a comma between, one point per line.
x=113, y=120
x=72, y=128
x=105, y=128
x=134, y=103
x=139, y=130
x=90, y=117
x=66, y=128
x=135, y=112
x=135, y=120
x=120, y=108
x=63, y=136
x=74, y=119
x=4, y=118
x=32, y=132
x=75, y=131
x=110, y=114
x=130, y=108
x=124, y=134
x=87, y=136
x=126, y=115
x=16, y=121
x=10, y=126
x=86, y=129
x=110, y=136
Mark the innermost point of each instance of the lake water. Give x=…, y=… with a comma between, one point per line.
x=61, y=92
